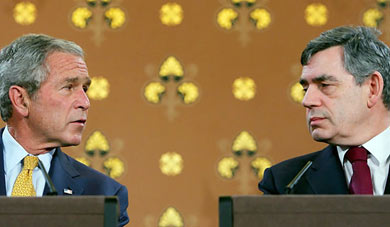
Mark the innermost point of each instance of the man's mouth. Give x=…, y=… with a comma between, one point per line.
x=315, y=120
x=81, y=121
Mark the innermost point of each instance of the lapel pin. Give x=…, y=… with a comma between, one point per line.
x=68, y=191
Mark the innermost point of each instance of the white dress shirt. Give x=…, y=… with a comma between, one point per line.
x=378, y=161
x=14, y=154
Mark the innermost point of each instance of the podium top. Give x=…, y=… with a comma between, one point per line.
x=59, y=211
x=304, y=210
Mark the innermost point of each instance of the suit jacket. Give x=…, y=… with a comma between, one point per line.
x=67, y=173
x=325, y=176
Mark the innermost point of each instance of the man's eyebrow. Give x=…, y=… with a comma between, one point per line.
x=325, y=77
x=76, y=79
x=319, y=79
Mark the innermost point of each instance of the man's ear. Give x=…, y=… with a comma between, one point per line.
x=20, y=100
x=375, y=85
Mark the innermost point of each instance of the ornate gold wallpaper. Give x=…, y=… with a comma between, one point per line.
x=190, y=100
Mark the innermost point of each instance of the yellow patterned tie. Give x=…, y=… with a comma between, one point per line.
x=23, y=185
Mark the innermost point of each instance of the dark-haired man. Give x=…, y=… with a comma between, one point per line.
x=346, y=78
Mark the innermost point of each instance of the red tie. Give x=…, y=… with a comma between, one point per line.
x=361, y=178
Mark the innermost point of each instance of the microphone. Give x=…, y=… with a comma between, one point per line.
x=52, y=189
x=294, y=181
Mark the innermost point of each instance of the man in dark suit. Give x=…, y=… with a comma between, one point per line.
x=346, y=79
x=43, y=85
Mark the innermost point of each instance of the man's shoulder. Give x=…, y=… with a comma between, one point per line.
x=297, y=162
x=90, y=175
x=278, y=176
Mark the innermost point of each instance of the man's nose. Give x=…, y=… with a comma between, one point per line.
x=83, y=100
x=311, y=98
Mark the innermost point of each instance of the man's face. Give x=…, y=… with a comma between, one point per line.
x=58, y=111
x=334, y=103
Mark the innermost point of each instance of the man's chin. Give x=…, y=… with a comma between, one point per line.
x=320, y=137
x=71, y=142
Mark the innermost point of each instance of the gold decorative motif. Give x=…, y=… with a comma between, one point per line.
x=81, y=17
x=99, y=88
x=244, y=16
x=154, y=91
x=297, y=93
x=84, y=160
x=244, y=88
x=227, y=167
x=372, y=17
x=226, y=18
x=100, y=156
x=97, y=142
x=25, y=13
x=171, y=67
x=171, y=164
x=259, y=165
x=244, y=142
x=115, y=17
x=171, y=218
x=189, y=92
x=168, y=91
x=98, y=17
x=171, y=14
x=244, y=167
x=114, y=167
x=261, y=17
x=316, y=14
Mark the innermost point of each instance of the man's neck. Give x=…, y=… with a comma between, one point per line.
x=28, y=142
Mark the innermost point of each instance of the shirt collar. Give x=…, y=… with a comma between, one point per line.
x=14, y=153
x=377, y=146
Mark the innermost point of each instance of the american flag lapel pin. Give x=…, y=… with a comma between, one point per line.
x=68, y=191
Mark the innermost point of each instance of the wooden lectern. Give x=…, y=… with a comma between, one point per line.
x=59, y=211
x=304, y=210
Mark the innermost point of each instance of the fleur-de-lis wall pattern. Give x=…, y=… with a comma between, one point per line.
x=200, y=70
x=243, y=16
x=98, y=16
x=171, y=87
x=245, y=157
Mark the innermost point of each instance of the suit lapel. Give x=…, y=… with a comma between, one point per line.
x=2, y=174
x=326, y=175
x=63, y=175
x=387, y=189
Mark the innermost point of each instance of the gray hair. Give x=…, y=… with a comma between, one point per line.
x=364, y=53
x=22, y=63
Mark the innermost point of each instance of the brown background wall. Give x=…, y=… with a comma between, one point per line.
x=202, y=133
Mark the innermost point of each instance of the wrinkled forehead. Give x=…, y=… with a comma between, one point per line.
x=326, y=62
x=66, y=65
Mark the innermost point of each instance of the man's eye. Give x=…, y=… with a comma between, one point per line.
x=325, y=86
x=69, y=87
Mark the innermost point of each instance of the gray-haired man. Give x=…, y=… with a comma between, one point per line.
x=43, y=84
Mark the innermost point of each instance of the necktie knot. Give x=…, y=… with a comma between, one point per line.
x=356, y=154
x=30, y=162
